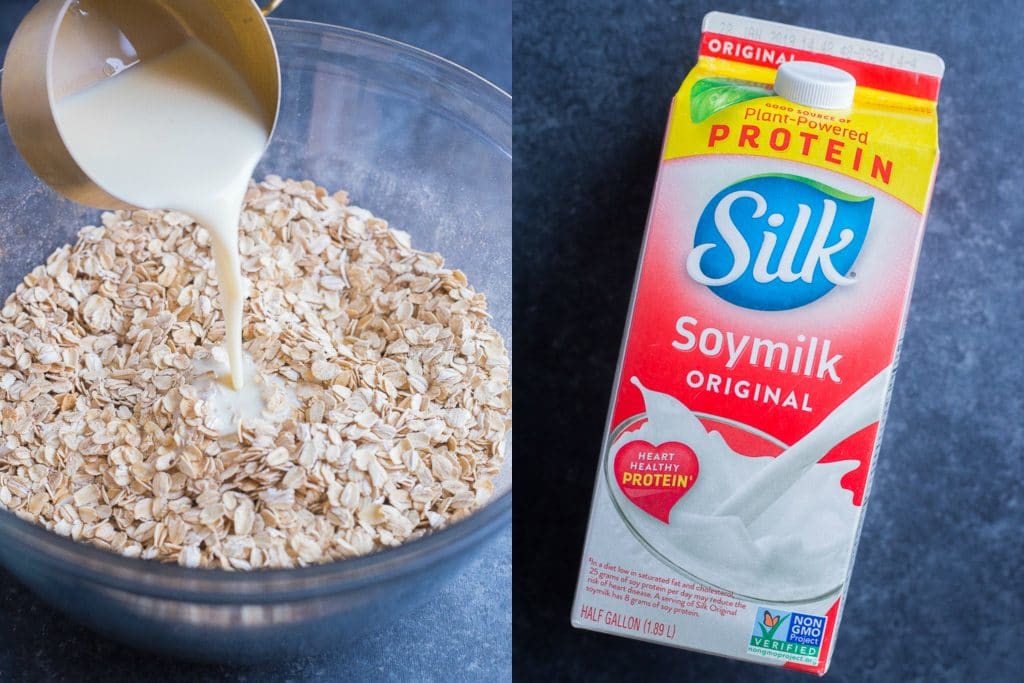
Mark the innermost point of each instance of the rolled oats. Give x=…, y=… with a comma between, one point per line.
x=402, y=388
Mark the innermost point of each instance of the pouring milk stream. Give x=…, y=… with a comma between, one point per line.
x=183, y=132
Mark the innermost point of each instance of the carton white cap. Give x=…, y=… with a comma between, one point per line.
x=815, y=85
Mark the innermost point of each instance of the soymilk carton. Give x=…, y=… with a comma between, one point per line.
x=761, y=343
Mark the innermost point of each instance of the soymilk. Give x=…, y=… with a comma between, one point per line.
x=761, y=343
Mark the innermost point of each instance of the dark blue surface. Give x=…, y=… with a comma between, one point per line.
x=462, y=635
x=936, y=593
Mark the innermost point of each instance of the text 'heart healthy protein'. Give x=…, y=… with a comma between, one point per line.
x=761, y=343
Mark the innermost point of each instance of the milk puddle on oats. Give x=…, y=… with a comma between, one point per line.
x=181, y=131
x=761, y=344
x=260, y=396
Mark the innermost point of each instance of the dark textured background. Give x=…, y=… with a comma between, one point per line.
x=936, y=593
x=462, y=635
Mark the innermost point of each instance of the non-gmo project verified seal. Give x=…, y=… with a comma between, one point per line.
x=791, y=636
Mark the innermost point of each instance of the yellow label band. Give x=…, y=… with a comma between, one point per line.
x=886, y=140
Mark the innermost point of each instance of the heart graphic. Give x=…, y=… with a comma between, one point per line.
x=653, y=477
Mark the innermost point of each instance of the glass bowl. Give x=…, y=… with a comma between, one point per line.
x=414, y=139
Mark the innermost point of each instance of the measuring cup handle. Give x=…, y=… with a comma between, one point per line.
x=271, y=6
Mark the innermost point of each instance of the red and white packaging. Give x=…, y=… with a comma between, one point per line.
x=761, y=343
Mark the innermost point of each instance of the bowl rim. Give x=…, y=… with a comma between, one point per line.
x=380, y=40
x=159, y=579
x=374, y=38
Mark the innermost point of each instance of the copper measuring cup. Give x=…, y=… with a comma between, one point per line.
x=63, y=46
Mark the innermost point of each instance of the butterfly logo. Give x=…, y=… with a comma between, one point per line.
x=770, y=624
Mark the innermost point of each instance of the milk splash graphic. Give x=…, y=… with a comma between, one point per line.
x=794, y=544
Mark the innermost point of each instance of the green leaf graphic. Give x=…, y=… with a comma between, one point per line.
x=820, y=187
x=711, y=95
